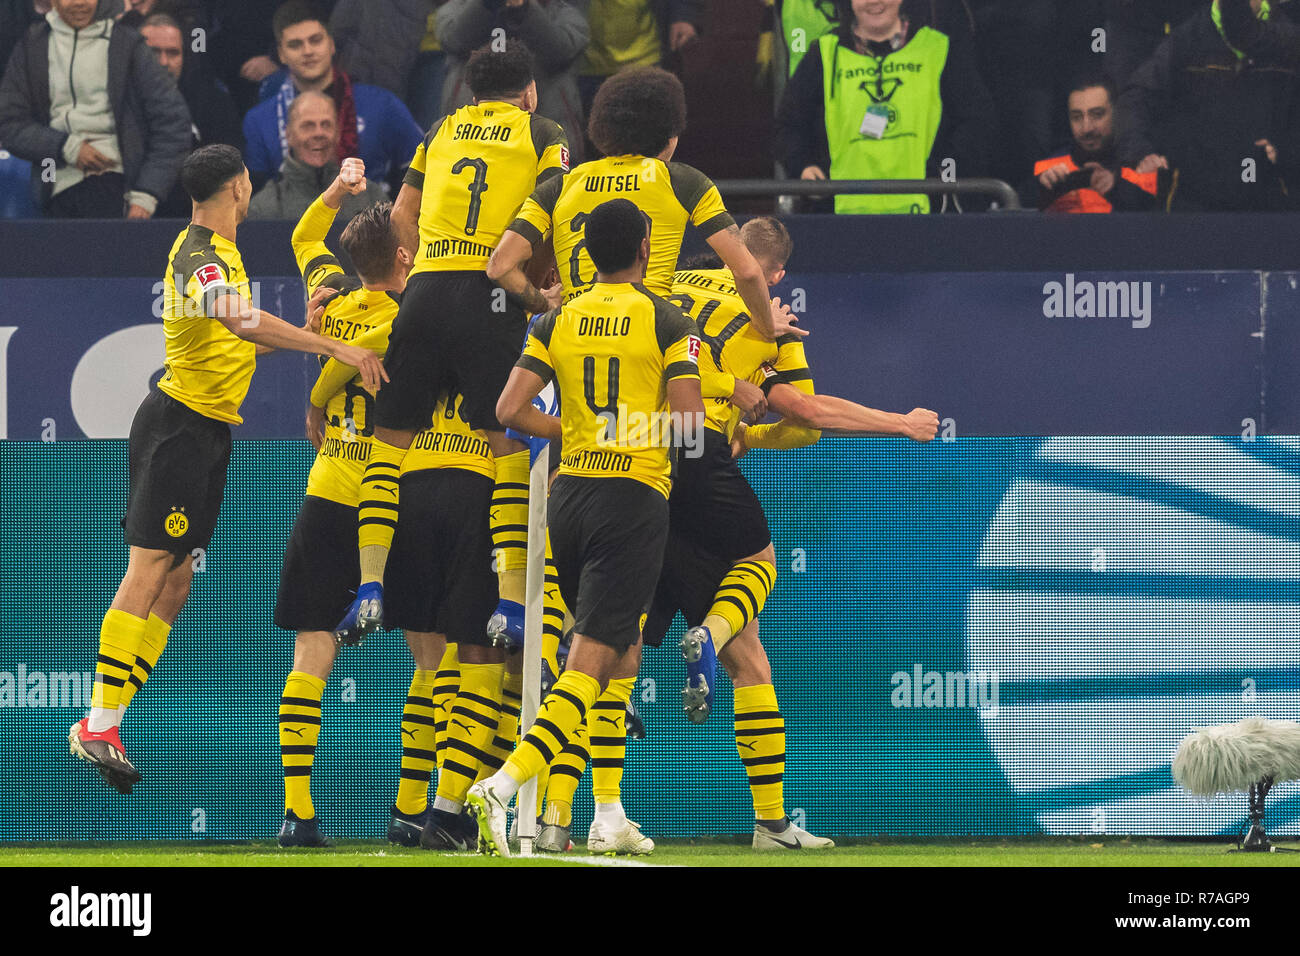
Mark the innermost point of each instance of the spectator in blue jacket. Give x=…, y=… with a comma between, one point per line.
x=374, y=125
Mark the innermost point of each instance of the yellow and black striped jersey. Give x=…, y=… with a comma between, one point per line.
x=669, y=194
x=475, y=168
x=731, y=344
x=355, y=314
x=611, y=352
x=450, y=443
x=207, y=367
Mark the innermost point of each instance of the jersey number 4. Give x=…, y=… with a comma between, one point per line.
x=608, y=412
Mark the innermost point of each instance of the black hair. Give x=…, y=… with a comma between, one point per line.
x=613, y=234
x=371, y=242
x=209, y=168
x=294, y=12
x=1086, y=81
x=636, y=112
x=492, y=74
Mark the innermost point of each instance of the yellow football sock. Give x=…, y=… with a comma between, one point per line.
x=739, y=599
x=566, y=770
x=418, y=737
x=471, y=723
x=509, y=521
x=608, y=730
x=152, y=642
x=299, y=730
x=377, y=513
x=560, y=714
x=760, y=741
x=503, y=741
x=120, y=635
x=446, y=683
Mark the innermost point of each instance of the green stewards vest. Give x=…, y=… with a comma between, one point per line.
x=802, y=22
x=902, y=89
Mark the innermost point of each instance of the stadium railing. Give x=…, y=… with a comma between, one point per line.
x=1001, y=192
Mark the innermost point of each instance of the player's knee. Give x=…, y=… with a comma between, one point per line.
x=767, y=555
x=314, y=653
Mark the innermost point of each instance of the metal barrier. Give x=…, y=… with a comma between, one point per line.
x=1000, y=190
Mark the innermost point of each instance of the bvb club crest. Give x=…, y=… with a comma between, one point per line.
x=176, y=524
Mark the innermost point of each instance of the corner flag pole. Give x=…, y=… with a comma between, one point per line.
x=534, y=595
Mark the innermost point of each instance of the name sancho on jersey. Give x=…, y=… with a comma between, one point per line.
x=474, y=170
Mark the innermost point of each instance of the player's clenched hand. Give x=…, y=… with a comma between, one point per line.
x=553, y=295
x=315, y=425
x=316, y=306
x=920, y=424
x=749, y=398
x=364, y=361
x=352, y=174
x=783, y=320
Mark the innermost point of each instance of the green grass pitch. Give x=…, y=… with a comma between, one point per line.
x=1069, y=852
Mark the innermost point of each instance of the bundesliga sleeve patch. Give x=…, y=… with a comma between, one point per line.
x=564, y=158
x=693, y=348
x=209, y=276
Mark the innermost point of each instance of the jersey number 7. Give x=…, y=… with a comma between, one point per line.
x=477, y=187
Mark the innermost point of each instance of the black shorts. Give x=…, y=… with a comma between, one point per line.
x=321, y=570
x=688, y=582
x=712, y=505
x=178, y=461
x=607, y=538
x=439, y=575
x=454, y=332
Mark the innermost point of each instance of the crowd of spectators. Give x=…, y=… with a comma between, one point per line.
x=1082, y=105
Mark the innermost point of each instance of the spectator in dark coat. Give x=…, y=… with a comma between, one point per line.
x=212, y=111
x=15, y=17
x=378, y=43
x=1219, y=103
x=87, y=104
x=555, y=31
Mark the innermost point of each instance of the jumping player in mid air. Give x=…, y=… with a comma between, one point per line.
x=456, y=331
x=180, y=440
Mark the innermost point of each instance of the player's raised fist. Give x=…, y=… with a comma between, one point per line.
x=920, y=424
x=353, y=175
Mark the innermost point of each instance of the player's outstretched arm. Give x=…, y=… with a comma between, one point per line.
x=750, y=282
x=506, y=269
x=838, y=414
x=262, y=328
x=515, y=408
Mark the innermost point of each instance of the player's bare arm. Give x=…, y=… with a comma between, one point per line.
x=515, y=408
x=750, y=281
x=686, y=401
x=262, y=328
x=406, y=216
x=838, y=414
x=506, y=269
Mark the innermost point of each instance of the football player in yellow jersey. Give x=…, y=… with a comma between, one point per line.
x=456, y=331
x=636, y=119
x=180, y=441
x=720, y=564
x=622, y=357
x=320, y=571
